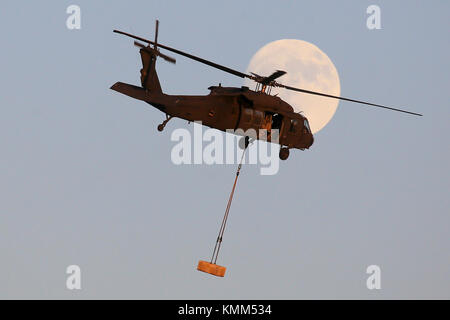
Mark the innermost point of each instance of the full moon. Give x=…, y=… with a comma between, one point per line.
x=308, y=68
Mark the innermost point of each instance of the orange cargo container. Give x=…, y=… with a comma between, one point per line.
x=211, y=268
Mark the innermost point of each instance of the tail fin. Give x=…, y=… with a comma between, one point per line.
x=149, y=78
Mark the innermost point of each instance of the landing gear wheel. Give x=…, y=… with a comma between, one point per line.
x=284, y=153
x=243, y=142
x=163, y=124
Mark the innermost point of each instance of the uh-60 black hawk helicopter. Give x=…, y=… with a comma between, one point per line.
x=227, y=107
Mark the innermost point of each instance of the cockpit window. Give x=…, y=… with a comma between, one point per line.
x=307, y=125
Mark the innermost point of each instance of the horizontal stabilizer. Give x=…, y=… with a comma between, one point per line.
x=131, y=91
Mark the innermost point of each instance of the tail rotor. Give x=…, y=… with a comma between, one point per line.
x=153, y=51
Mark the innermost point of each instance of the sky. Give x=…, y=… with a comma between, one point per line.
x=87, y=180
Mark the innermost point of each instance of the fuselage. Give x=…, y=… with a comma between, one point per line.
x=229, y=108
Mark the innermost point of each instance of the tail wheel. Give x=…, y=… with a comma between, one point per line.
x=163, y=124
x=284, y=153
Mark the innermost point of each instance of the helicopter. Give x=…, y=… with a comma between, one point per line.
x=226, y=108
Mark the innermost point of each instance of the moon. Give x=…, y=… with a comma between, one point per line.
x=308, y=68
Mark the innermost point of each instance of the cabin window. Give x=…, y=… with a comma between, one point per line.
x=258, y=117
x=247, y=115
x=294, y=124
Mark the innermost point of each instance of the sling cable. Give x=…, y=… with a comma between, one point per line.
x=211, y=267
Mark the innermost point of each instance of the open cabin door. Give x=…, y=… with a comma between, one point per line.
x=263, y=123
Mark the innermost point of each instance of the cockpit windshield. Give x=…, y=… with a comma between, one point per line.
x=307, y=125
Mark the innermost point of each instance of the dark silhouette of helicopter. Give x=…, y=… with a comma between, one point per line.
x=228, y=107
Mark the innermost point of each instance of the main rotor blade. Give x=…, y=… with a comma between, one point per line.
x=258, y=78
x=342, y=98
x=190, y=56
x=273, y=76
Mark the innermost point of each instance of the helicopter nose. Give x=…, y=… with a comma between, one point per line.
x=312, y=140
